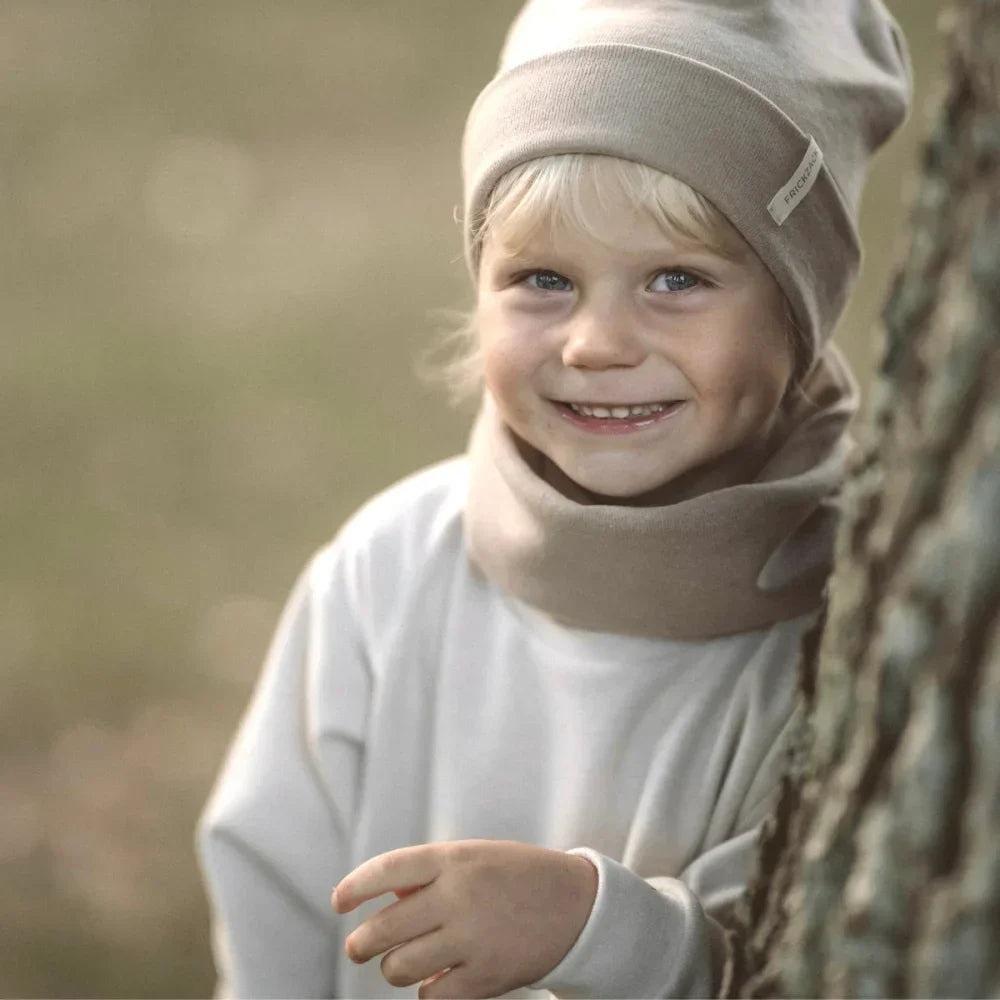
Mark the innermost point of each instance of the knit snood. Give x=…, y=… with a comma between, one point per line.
x=732, y=560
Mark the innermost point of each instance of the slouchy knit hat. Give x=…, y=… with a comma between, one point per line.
x=768, y=108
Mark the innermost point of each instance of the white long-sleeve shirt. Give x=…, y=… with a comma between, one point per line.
x=406, y=700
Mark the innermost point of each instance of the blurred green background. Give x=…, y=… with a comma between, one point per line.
x=226, y=229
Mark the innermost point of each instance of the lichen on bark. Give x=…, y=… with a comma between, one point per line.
x=880, y=870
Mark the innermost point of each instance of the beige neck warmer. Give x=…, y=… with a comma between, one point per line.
x=733, y=560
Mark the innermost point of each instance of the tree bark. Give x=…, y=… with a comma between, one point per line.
x=880, y=871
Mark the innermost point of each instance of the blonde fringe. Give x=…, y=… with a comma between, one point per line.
x=562, y=191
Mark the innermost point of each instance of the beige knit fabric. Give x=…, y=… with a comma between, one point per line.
x=733, y=560
x=731, y=96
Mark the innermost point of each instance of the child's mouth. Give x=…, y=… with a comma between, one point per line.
x=621, y=418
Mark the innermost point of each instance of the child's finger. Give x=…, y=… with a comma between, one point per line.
x=454, y=982
x=400, y=871
x=399, y=922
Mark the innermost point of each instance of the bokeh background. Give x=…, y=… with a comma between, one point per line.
x=226, y=228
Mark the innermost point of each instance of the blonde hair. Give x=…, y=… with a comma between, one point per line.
x=567, y=191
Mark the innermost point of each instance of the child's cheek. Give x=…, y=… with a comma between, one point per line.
x=723, y=369
x=508, y=369
x=510, y=345
x=739, y=388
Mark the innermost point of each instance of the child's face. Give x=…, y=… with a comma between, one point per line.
x=697, y=341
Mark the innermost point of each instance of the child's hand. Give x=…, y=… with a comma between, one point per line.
x=496, y=914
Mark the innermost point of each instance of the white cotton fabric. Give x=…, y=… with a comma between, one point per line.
x=407, y=700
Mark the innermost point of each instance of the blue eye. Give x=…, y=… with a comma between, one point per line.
x=674, y=281
x=548, y=281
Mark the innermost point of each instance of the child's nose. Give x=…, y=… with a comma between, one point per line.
x=603, y=339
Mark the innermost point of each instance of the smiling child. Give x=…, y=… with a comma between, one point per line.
x=528, y=710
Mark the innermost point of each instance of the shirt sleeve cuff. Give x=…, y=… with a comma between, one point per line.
x=639, y=941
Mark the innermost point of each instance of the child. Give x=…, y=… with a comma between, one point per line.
x=540, y=692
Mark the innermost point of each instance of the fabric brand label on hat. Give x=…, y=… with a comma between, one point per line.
x=787, y=199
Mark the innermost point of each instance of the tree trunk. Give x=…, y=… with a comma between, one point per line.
x=880, y=872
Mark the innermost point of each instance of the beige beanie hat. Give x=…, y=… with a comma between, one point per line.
x=768, y=108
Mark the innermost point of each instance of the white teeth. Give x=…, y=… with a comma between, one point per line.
x=618, y=412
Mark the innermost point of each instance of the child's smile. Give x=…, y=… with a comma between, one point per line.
x=617, y=418
x=634, y=362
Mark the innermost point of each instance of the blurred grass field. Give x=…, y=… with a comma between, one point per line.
x=227, y=227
